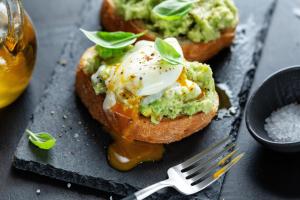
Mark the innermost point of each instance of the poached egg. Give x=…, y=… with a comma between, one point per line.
x=142, y=72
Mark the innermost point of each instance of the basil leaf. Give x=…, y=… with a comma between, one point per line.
x=173, y=9
x=112, y=40
x=106, y=53
x=42, y=140
x=168, y=52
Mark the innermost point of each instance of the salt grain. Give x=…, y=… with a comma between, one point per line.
x=63, y=62
x=296, y=12
x=38, y=191
x=283, y=124
x=233, y=110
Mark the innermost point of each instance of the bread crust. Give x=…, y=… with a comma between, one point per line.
x=141, y=129
x=193, y=51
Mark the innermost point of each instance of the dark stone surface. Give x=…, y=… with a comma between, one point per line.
x=265, y=174
x=82, y=159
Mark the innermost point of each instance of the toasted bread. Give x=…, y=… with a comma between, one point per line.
x=141, y=129
x=201, y=52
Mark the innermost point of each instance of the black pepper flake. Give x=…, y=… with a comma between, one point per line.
x=132, y=76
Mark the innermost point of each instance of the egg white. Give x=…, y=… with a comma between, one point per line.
x=143, y=72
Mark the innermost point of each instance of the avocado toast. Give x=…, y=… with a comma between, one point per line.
x=140, y=96
x=206, y=29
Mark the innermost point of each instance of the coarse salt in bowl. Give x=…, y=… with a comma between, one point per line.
x=273, y=111
x=283, y=125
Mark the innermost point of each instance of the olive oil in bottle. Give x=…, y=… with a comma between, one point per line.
x=17, y=51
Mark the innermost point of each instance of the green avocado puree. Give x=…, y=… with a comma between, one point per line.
x=170, y=103
x=203, y=23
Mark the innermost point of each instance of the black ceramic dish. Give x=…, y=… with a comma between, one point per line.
x=279, y=89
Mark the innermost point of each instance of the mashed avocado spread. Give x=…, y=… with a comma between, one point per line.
x=203, y=23
x=178, y=99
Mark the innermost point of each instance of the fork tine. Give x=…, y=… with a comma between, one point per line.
x=213, y=166
x=216, y=175
x=199, y=156
x=225, y=169
x=205, y=162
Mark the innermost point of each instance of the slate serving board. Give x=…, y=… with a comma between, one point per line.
x=80, y=154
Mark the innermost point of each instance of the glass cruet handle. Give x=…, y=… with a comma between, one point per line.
x=15, y=16
x=3, y=21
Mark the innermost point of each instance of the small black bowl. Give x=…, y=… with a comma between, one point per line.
x=279, y=89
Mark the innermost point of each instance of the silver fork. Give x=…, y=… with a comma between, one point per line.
x=198, y=172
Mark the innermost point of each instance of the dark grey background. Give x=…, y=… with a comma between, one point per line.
x=260, y=175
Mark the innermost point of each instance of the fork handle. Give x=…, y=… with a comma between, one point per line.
x=142, y=194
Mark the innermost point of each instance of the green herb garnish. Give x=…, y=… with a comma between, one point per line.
x=168, y=52
x=42, y=140
x=106, y=53
x=173, y=9
x=112, y=40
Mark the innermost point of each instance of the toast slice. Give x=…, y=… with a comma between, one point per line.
x=201, y=52
x=141, y=129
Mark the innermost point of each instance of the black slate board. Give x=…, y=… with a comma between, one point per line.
x=80, y=154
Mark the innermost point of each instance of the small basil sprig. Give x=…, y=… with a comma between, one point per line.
x=168, y=52
x=42, y=140
x=106, y=53
x=173, y=9
x=112, y=40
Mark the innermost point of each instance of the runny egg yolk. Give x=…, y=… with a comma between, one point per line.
x=182, y=79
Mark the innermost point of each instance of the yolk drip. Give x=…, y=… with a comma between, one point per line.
x=124, y=154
